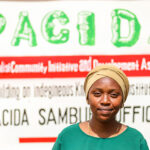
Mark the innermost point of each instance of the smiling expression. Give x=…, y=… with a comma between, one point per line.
x=105, y=99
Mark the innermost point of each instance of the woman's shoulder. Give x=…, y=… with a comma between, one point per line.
x=70, y=129
x=134, y=132
x=139, y=136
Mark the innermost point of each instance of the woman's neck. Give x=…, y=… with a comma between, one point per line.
x=104, y=129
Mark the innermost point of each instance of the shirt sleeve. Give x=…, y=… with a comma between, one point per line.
x=57, y=145
x=144, y=145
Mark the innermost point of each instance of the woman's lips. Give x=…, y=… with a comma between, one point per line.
x=105, y=110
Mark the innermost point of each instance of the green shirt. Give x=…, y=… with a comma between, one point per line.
x=73, y=138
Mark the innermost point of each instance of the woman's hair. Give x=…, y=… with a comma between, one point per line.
x=107, y=71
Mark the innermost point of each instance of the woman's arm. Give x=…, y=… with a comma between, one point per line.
x=144, y=145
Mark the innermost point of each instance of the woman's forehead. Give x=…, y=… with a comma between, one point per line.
x=105, y=82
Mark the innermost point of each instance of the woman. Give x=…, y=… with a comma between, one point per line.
x=106, y=89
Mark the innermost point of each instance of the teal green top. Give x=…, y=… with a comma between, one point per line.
x=73, y=138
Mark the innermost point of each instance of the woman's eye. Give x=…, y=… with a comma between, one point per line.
x=114, y=95
x=97, y=94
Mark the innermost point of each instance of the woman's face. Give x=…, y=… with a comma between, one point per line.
x=105, y=99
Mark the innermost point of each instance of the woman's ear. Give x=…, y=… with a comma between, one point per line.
x=122, y=104
x=87, y=99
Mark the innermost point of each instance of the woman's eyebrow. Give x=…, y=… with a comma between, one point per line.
x=96, y=89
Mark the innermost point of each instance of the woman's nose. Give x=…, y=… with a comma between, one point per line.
x=105, y=100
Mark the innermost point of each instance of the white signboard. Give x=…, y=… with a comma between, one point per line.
x=47, y=49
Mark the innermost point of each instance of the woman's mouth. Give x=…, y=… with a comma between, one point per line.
x=105, y=110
